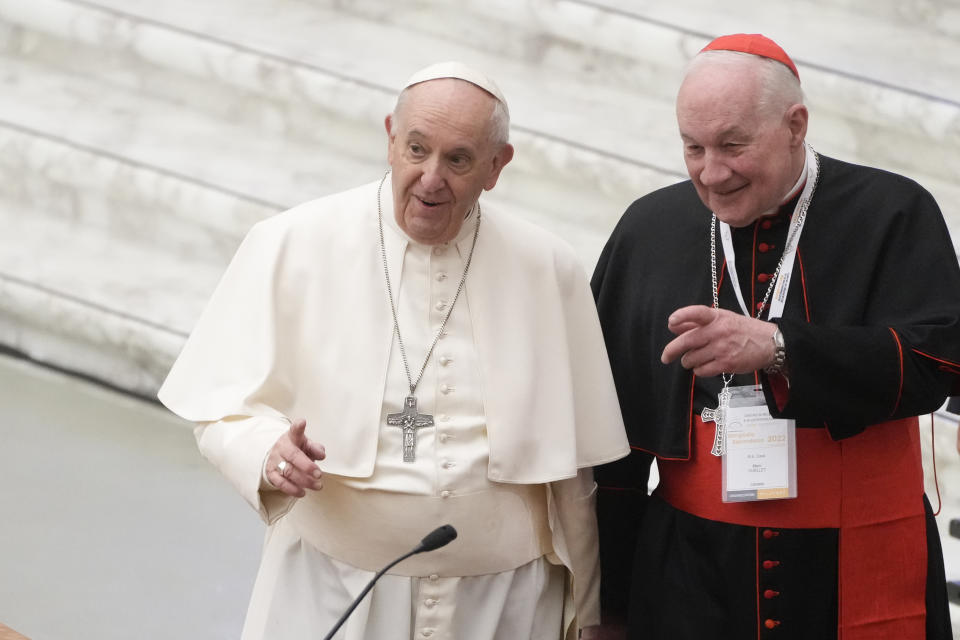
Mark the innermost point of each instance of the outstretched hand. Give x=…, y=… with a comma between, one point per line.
x=714, y=341
x=300, y=453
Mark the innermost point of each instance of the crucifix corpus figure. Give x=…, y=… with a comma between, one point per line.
x=410, y=420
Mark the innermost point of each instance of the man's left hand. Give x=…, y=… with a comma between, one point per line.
x=714, y=341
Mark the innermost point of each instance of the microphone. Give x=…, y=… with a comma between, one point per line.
x=434, y=540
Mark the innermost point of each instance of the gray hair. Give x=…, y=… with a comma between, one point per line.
x=498, y=125
x=779, y=88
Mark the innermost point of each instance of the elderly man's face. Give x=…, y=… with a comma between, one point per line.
x=742, y=162
x=442, y=157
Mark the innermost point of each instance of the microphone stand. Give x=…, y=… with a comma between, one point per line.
x=366, y=589
x=434, y=540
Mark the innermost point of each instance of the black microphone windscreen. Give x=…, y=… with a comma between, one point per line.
x=438, y=538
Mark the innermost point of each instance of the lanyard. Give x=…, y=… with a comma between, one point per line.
x=781, y=278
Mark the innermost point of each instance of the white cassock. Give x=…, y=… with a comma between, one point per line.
x=519, y=389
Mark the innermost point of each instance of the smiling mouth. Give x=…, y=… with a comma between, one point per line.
x=429, y=203
x=724, y=194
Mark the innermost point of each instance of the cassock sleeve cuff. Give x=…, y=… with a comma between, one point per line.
x=238, y=447
x=574, y=525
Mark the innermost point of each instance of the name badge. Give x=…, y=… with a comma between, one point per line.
x=760, y=460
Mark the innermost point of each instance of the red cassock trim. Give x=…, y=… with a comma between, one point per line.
x=948, y=366
x=870, y=487
x=896, y=339
x=803, y=283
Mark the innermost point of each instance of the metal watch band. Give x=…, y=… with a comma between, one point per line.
x=779, y=353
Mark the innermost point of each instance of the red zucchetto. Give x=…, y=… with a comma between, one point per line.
x=755, y=43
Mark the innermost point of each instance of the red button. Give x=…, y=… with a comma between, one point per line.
x=766, y=224
x=763, y=277
x=770, y=564
x=759, y=306
x=763, y=247
x=770, y=533
x=770, y=594
x=770, y=624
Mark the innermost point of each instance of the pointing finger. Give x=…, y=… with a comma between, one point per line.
x=296, y=432
x=697, y=314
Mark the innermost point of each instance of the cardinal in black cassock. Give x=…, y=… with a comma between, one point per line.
x=858, y=335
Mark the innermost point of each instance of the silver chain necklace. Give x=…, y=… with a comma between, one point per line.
x=409, y=420
x=719, y=415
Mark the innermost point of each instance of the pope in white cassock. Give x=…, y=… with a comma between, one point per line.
x=399, y=356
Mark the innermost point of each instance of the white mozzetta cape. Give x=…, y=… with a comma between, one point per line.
x=300, y=327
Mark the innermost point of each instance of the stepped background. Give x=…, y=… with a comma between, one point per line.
x=140, y=139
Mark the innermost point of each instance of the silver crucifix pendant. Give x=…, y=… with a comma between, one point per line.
x=409, y=420
x=719, y=416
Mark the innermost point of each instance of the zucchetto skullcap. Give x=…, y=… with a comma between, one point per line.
x=753, y=43
x=460, y=71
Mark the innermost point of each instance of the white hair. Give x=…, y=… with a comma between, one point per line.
x=779, y=88
x=498, y=125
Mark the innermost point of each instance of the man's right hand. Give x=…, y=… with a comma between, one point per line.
x=300, y=453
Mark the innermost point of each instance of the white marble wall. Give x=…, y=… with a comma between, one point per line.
x=140, y=140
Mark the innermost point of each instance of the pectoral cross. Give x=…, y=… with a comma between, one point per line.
x=409, y=420
x=718, y=416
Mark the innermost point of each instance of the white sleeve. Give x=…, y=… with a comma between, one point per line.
x=575, y=501
x=238, y=446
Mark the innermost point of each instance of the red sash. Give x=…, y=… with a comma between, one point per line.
x=870, y=487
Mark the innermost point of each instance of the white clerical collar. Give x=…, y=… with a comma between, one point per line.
x=801, y=180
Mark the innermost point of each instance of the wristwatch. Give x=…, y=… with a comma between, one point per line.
x=779, y=364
